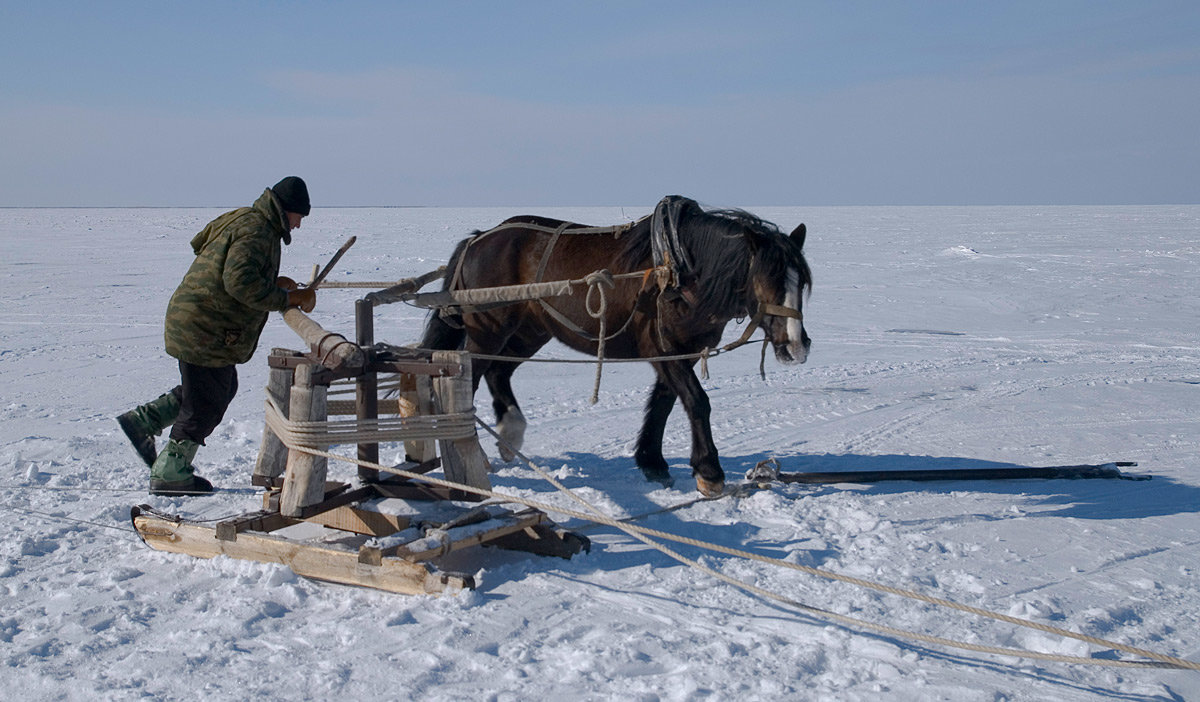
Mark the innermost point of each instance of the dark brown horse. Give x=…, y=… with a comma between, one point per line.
x=709, y=267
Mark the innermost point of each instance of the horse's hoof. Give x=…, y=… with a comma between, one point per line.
x=662, y=477
x=710, y=488
x=506, y=454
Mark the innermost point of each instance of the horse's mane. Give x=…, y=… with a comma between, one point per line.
x=719, y=243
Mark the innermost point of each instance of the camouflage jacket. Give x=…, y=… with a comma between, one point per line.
x=218, y=312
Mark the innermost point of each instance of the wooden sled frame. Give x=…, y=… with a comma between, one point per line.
x=357, y=541
x=392, y=552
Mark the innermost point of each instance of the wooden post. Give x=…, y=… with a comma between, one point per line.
x=367, y=387
x=272, y=455
x=416, y=399
x=304, y=483
x=463, y=460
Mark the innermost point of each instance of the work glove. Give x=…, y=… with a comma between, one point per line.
x=305, y=299
x=286, y=283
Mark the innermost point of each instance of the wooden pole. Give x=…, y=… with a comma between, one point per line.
x=1106, y=471
x=463, y=460
x=333, y=350
x=304, y=482
x=367, y=399
x=272, y=456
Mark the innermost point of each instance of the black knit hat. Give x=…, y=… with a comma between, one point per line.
x=293, y=195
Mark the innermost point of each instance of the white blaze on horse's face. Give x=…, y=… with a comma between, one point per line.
x=796, y=346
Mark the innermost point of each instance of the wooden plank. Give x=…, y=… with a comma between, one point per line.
x=361, y=521
x=317, y=561
x=263, y=520
x=414, y=491
x=544, y=540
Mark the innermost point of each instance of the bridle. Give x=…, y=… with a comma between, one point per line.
x=764, y=308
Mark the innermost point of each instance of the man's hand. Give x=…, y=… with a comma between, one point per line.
x=305, y=299
x=286, y=283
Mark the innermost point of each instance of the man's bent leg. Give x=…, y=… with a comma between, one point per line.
x=207, y=393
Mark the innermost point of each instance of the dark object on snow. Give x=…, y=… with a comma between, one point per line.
x=1106, y=471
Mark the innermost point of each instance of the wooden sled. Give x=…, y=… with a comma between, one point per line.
x=365, y=536
x=389, y=533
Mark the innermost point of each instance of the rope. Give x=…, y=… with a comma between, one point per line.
x=61, y=488
x=59, y=517
x=596, y=282
x=1157, y=660
x=703, y=355
x=310, y=434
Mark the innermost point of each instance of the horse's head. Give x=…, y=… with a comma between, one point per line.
x=779, y=277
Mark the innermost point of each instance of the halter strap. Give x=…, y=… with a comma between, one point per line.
x=764, y=309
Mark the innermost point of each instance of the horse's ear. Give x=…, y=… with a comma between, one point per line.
x=798, y=235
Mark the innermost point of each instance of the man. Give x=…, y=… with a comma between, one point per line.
x=213, y=323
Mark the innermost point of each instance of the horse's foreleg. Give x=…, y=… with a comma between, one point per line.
x=649, y=455
x=510, y=422
x=706, y=466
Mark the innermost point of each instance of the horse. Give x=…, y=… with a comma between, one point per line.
x=677, y=278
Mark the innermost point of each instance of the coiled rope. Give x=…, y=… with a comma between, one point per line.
x=596, y=283
x=643, y=534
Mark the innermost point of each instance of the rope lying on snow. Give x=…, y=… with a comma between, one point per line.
x=62, y=518
x=643, y=534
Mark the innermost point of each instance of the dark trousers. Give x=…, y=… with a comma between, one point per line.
x=206, y=394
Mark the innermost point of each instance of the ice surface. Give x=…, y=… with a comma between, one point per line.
x=943, y=337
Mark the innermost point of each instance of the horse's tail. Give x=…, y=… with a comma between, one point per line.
x=444, y=329
x=443, y=332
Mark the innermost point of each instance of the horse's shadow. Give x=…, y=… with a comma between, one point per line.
x=620, y=482
x=1077, y=498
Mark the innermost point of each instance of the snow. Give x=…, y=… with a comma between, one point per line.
x=943, y=337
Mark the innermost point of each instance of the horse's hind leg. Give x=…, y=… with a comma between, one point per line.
x=510, y=422
x=648, y=454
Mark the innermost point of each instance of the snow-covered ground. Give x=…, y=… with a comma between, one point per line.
x=943, y=337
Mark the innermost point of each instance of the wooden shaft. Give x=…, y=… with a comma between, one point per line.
x=367, y=387
x=333, y=350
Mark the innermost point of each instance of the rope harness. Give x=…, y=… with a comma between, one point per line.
x=672, y=263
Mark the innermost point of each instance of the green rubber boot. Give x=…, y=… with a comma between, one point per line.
x=173, y=474
x=142, y=424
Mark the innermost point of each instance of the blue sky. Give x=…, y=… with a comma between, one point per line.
x=600, y=103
